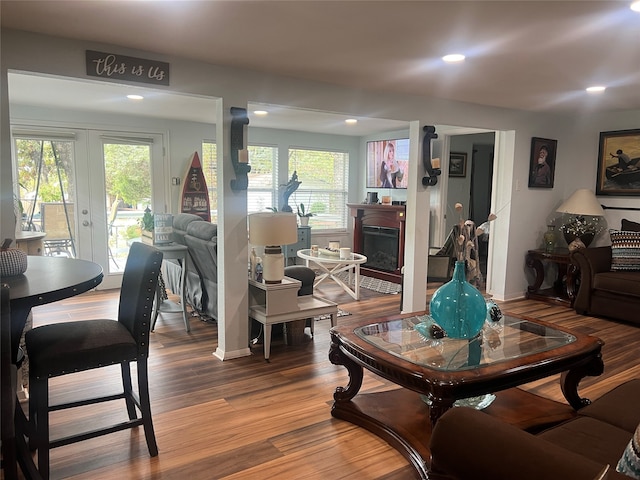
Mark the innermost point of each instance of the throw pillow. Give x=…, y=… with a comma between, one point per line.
x=630, y=226
x=629, y=463
x=625, y=250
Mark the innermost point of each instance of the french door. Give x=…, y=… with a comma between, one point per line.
x=94, y=190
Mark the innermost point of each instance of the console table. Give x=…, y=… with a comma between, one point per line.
x=272, y=303
x=291, y=251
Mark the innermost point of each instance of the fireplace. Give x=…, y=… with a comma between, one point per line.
x=380, y=246
x=378, y=233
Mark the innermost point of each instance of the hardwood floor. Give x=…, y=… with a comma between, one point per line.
x=246, y=418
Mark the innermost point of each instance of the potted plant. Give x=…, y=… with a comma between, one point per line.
x=147, y=226
x=304, y=215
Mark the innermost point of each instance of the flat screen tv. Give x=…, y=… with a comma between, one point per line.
x=387, y=163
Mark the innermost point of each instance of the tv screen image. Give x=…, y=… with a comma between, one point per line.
x=387, y=163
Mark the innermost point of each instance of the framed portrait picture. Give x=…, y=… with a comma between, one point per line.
x=457, y=164
x=542, y=165
x=619, y=163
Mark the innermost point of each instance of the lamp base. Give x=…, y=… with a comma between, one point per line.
x=273, y=264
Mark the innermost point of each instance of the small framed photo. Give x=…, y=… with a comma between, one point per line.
x=457, y=164
x=542, y=166
x=619, y=163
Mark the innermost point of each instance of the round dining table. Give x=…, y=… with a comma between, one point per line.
x=46, y=280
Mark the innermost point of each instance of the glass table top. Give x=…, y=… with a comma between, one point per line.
x=500, y=341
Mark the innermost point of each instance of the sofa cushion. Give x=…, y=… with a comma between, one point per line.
x=591, y=438
x=618, y=407
x=625, y=250
x=629, y=463
x=618, y=283
x=630, y=226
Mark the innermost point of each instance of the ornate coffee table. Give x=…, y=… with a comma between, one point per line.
x=506, y=354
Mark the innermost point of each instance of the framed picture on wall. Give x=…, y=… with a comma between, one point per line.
x=619, y=163
x=457, y=164
x=542, y=165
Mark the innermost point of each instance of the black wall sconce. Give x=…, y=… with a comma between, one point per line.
x=239, y=157
x=431, y=177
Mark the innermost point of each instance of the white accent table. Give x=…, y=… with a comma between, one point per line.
x=272, y=303
x=173, y=251
x=330, y=266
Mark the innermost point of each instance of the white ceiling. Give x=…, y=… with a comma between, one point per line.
x=529, y=55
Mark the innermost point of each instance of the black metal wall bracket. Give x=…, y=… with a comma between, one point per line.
x=238, y=120
x=431, y=177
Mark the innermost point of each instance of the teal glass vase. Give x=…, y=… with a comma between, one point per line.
x=458, y=307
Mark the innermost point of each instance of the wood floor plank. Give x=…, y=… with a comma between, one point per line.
x=247, y=418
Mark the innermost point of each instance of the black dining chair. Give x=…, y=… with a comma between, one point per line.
x=8, y=376
x=69, y=347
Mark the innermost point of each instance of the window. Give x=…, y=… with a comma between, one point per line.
x=324, y=176
x=210, y=171
x=263, y=178
x=324, y=188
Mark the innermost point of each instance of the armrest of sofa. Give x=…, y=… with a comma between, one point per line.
x=305, y=274
x=468, y=443
x=589, y=261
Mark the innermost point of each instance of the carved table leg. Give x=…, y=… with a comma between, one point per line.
x=569, y=380
x=561, y=281
x=573, y=281
x=337, y=357
x=437, y=409
x=536, y=264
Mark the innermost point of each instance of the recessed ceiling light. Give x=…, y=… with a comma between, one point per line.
x=453, y=58
x=596, y=89
x=260, y=113
x=351, y=121
x=635, y=6
x=135, y=97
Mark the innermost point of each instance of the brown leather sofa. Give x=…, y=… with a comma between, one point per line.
x=469, y=444
x=613, y=294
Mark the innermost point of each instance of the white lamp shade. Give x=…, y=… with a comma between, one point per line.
x=273, y=229
x=582, y=202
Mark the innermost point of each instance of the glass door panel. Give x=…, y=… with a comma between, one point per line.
x=46, y=191
x=122, y=187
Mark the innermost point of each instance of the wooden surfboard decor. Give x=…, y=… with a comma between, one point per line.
x=195, y=195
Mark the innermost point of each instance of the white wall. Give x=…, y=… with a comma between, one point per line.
x=525, y=210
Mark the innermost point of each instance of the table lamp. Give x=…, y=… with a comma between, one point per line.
x=272, y=230
x=584, y=216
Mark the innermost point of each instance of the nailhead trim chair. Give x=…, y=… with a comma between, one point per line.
x=64, y=348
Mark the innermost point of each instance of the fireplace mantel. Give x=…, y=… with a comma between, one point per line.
x=389, y=216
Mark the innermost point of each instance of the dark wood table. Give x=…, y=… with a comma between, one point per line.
x=47, y=279
x=511, y=353
x=561, y=292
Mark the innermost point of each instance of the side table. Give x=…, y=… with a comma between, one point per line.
x=173, y=251
x=560, y=292
x=275, y=303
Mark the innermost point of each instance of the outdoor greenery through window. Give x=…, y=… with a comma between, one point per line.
x=263, y=178
x=45, y=174
x=324, y=188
